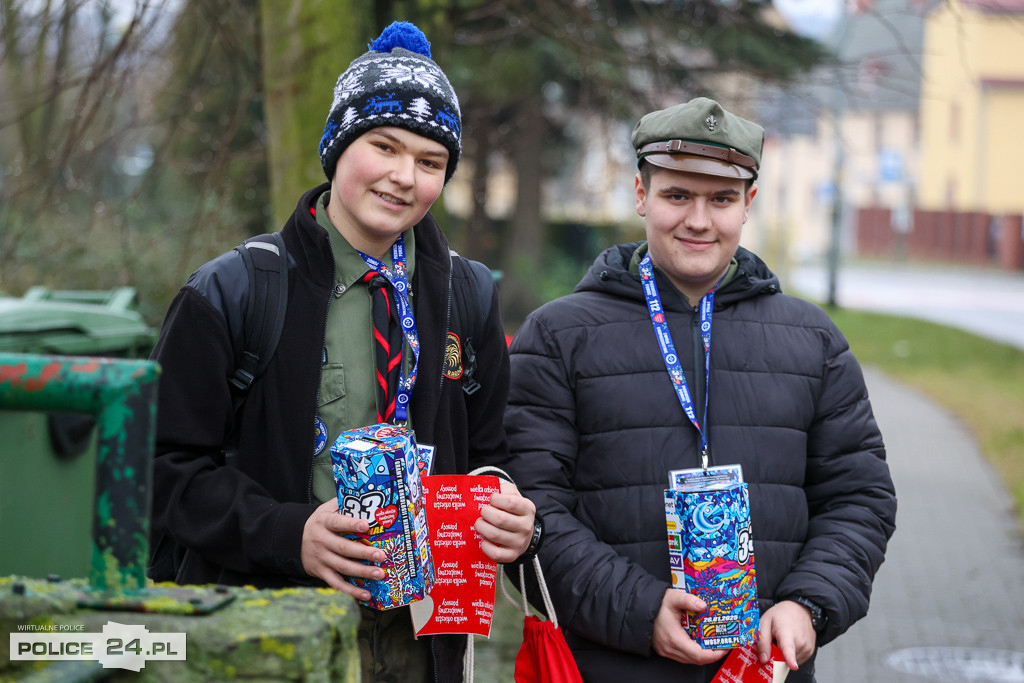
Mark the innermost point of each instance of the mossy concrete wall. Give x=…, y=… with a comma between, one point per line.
x=292, y=634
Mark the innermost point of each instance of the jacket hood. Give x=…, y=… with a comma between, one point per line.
x=610, y=274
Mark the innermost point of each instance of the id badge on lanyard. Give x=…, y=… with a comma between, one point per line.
x=700, y=477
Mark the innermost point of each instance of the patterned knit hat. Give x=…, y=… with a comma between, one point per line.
x=394, y=84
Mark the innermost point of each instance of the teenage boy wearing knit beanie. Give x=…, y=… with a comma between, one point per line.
x=271, y=519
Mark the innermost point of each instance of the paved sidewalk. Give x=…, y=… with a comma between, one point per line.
x=953, y=578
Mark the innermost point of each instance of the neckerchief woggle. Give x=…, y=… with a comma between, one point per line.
x=400, y=283
x=668, y=349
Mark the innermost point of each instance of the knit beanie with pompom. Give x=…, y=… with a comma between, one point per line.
x=396, y=84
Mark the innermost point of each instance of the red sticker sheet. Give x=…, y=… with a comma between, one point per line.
x=465, y=579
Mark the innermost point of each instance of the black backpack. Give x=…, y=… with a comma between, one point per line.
x=266, y=263
x=266, y=266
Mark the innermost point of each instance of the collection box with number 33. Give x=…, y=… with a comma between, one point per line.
x=378, y=480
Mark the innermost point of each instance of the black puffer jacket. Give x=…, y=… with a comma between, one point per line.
x=594, y=426
x=244, y=524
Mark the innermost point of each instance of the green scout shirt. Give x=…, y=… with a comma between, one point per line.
x=348, y=387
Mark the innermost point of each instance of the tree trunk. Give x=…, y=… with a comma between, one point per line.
x=524, y=250
x=306, y=45
x=481, y=242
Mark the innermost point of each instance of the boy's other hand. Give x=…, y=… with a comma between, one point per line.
x=671, y=640
x=328, y=555
x=506, y=524
x=789, y=625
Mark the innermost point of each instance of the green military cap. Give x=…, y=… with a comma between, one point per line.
x=701, y=137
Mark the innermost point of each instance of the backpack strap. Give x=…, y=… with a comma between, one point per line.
x=470, y=313
x=266, y=264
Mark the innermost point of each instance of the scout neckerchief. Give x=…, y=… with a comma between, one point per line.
x=400, y=283
x=668, y=350
x=388, y=340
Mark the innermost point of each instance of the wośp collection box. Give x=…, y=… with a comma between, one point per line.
x=378, y=480
x=711, y=554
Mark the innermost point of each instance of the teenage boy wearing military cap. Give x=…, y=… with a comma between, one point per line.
x=391, y=142
x=598, y=416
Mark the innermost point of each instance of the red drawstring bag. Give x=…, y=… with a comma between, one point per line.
x=544, y=656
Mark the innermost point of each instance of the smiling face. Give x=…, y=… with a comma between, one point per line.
x=384, y=183
x=693, y=223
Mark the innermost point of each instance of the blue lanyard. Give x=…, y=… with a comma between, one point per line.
x=400, y=283
x=668, y=349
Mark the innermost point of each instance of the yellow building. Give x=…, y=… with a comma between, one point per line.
x=846, y=136
x=972, y=107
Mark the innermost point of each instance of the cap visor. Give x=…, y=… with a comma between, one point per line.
x=696, y=164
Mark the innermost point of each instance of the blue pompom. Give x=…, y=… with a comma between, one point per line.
x=402, y=34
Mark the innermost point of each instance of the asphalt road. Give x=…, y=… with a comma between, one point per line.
x=987, y=302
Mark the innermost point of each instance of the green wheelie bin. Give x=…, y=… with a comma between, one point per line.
x=48, y=460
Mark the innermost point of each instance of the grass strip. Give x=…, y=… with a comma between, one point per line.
x=978, y=380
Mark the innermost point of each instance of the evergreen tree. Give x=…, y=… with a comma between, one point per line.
x=526, y=70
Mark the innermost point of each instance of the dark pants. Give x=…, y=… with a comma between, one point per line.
x=388, y=652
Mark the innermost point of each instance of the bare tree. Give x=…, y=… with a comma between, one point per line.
x=69, y=72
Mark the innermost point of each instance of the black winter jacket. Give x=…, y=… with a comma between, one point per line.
x=244, y=524
x=594, y=427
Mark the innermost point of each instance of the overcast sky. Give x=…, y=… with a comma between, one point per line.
x=812, y=18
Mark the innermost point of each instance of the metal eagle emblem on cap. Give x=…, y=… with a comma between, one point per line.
x=712, y=123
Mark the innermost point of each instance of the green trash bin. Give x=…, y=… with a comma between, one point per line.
x=48, y=460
